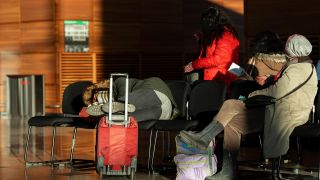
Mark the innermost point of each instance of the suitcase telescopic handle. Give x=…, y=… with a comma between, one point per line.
x=110, y=121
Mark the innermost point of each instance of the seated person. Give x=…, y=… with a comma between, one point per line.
x=266, y=61
x=149, y=98
x=277, y=120
x=218, y=45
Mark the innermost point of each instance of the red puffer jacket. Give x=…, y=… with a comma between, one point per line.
x=219, y=57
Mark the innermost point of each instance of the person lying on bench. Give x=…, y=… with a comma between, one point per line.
x=148, y=98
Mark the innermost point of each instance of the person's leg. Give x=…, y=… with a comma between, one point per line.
x=142, y=98
x=137, y=100
x=166, y=106
x=94, y=109
x=117, y=107
x=153, y=112
x=229, y=109
x=229, y=167
x=100, y=97
x=147, y=104
x=247, y=121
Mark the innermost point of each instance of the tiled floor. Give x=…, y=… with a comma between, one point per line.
x=12, y=167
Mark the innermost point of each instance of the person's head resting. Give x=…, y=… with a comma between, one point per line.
x=213, y=23
x=267, y=42
x=297, y=47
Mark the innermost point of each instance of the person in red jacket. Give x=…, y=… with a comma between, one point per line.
x=219, y=47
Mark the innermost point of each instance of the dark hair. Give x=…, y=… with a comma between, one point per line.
x=214, y=22
x=267, y=42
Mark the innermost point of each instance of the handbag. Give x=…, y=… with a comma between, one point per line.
x=195, y=166
x=185, y=148
x=259, y=101
x=193, y=163
x=263, y=100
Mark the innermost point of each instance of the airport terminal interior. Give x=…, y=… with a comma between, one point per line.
x=47, y=45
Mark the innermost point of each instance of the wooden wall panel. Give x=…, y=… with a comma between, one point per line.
x=190, y=43
x=35, y=10
x=192, y=10
x=136, y=36
x=75, y=67
x=9, y=64
x=118, y=62
x=52, y=101
x=98, y=40
x=118, y=37
x=123, y=11
x=165, y=11
x=284, y=17
x=101, y=72
x=10, y=11
x=60, y=36
x=163, y=65
x=163, y=33
x=27, y=43
x=233, y=5
x=162, y=37
x=40, y=63
x=38, y=37
x=74, y=9
x=10, y=38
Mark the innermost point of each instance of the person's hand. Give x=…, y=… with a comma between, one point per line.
x=261, y=79
x=188, y=68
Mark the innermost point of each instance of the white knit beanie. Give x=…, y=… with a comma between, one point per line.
x=298, y=46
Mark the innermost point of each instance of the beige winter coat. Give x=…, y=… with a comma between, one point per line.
x=289, y=112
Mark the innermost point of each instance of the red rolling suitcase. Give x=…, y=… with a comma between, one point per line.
x=117, y=140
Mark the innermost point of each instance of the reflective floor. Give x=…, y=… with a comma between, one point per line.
x=12, y=167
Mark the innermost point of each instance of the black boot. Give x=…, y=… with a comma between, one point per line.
x=229, y=167
x=276, y=168
x=202, y=139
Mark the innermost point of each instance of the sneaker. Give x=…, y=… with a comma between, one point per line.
x=95, y=109
x=117, y=107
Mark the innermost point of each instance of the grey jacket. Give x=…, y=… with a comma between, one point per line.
x=154, y=83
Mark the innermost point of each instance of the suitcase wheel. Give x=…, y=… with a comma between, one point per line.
x=100, y=165
x=132, y=173
x=133, y=167
x=100, y=172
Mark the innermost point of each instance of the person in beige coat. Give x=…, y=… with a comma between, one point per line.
x=266, y=60
x=268, y=55
x=277, y=120
x=293, y=110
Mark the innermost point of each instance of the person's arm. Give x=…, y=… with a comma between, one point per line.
x=289, y=80
x=265, y=80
